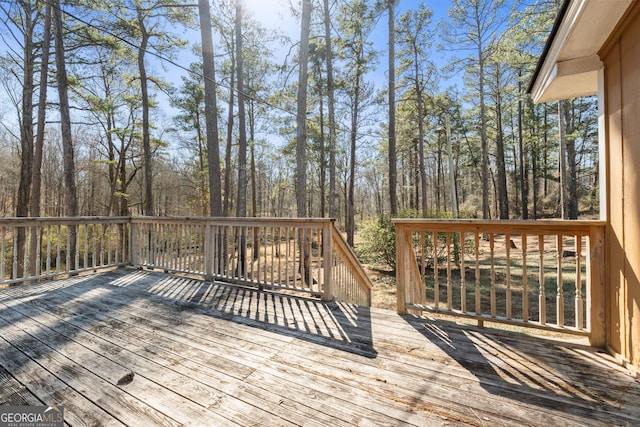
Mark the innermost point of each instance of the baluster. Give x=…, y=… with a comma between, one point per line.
x=542, y=302
x=15, y=253
x=318, y=258
x=274, y=242
x=26, y=260
x=449, y=279
x=507, y=245
x=38, y=243
x=48, y=266
x=579, y=306
x=69, y=254
x=77, y=237
x=436, y=284
x=3, y=266
x=107, y=233
x=278, y=253
x=59, y=238
x=478, y=308
x=191, y=251
x=287, y=249
x=93, y=244
x=253, y=273
x=214, y=255
x=463, y=287
x=560, y=282
x=492, y=293
x=525, y=281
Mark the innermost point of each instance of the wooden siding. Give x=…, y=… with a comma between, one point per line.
x=621, y=56
x=205, y=353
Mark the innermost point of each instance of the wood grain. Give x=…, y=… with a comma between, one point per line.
x=205, y=353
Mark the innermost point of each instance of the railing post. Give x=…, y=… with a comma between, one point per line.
x=208, y=252
x=327, y=251
x=596, y=287
x=133, y=244
x=401, y=268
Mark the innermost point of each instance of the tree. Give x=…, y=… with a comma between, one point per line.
x=416, y=68
x=301, y=112
x=146, y=20
x=22, y=18
x=496, y=69
x=474, y=27
x=331, y=106
x=211, y=109
x=71, y=200
x=190, y=102
x=241, y=206
x=393, y=174
x=355, y=21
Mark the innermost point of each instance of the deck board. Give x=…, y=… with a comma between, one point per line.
x=207, y=353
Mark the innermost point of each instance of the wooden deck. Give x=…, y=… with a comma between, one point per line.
x=212, y=354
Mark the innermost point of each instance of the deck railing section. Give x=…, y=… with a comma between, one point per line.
x=299, y=255
x=46, y=248
x=541, y=274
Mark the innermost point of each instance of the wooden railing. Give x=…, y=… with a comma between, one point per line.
x=45, y=248
x=300, y=255
x=541, y=274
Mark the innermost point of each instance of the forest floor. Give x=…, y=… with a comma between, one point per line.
x=384, y=289
x=384, y=286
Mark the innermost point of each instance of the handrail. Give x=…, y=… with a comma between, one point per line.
x=348, y=256
x=34, y=249
x=514, y=272
x=269, y=253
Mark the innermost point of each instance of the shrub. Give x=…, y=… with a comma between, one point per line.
x=378, y=241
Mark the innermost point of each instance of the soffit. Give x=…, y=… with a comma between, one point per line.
x=569, y=67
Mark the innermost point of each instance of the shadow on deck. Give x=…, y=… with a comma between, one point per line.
x=206, y=353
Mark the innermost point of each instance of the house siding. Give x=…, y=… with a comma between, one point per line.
x=621, y=57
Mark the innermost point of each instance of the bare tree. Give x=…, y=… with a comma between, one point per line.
x=393, y=174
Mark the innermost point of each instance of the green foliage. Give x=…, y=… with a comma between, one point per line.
x=378, y=244
x=378, y=238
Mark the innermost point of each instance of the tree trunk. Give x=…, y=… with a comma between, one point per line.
x=146, y=137
x=241, y=205
x=211, y=109
x=503, y=200
x=36, y=189
x=26, y=137
x=420, y=113
x=564, y=192
x=301, y=140
x=65, y=126
x=486, y=214
x=301, y=115
x=524, y=188
x=393, y=174
x=332, y=116
x=572, y=178
x=227, y=155
x=322, y=162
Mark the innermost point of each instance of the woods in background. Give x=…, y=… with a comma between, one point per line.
x=237, y=134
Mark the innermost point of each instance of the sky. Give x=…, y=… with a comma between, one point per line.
x=276, y=14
